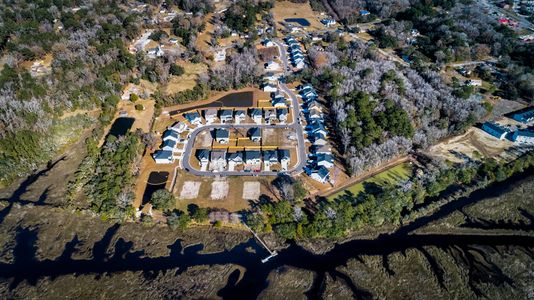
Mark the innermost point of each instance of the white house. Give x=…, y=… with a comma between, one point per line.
x=226, y=115
x=162, y=157
x=170, y=135
x=271, y=65
x=320, y=174
x=254, y=134
x=203, y=156
x=283, y=155
x=281, y=113
x=473, y=82
x=321, y=150
x=325, y=160
x=222, y=136
x=270, y=157
x=218, y=160
x=252, y=157
x=267, y=43
x=178, y=127
x=193, y=118
x=270, y=88
x=168, y=145
x=319, y=139
x=155, y=52
x=328, y=22
x=315, y=115
x=219, y=55
x=256, y=115
x=523, y=137
x=240, y=116
x=210, y=115
x=234, y=159
x=271, y=77
x=279, y=101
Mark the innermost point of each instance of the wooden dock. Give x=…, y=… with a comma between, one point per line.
x=272, y=253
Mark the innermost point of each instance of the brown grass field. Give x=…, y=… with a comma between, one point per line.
x=285, y=9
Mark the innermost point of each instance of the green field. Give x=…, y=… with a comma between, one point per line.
x=395, y=174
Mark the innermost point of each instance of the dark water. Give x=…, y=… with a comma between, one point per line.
x=121, y=126
x=300, y=21
x=460, y=246
x=156, y=181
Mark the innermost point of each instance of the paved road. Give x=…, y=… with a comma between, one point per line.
x=295, y=125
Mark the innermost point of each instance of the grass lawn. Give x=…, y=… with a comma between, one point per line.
x=395, y=174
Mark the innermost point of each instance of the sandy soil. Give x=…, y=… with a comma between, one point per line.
x=190, y=190
x=219, y=189
x=251, y=190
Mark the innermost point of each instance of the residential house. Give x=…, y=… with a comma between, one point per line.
x=222, y=136
x=271, y=65
x=495, y=130
x=320, y=174
x=168, y=145
x=193, y=118
x=328, y=22
x=252, y=157
x=321, y=150
x=271, y=77
x=226, y=115
x=473, y=82
x=314, y=115
x=325, y=160
x=155, y=52
x=314, y=105
x=523, y=137
x=284, y=157
x=281, y=113
x=317, y=127
x=269, y=115
x=525, y=116
x=219, y=55
x=267, y=43
x=255, y=134
x=270, y=157
x=178, y=127
x=364, y=12
x=296, y=55
x=162, y=157
x=319, y=139
x=240, y=115
x=170, y=135
x=256, y=115
x=203, y=156
x=279, y=101
x=234, y=159
x=218, y=160
x=210, y=115
x=270, y=88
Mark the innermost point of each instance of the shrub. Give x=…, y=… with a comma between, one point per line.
x=134, y=97
x=163, y=200
x=139, y=107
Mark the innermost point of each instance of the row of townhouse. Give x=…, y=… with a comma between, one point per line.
x=295, y=53
x=519, y=136
x=169, y=147
x=321, y=158
x=219, y=160
x=236, y=116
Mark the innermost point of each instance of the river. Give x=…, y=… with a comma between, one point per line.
x=27, y=267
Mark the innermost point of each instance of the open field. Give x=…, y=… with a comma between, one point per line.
x=395, y=174
x=186, y=81
x=286, y=10
x=190, y=190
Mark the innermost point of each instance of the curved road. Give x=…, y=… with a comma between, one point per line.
x=295, y=125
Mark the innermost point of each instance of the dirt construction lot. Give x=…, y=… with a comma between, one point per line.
x=219, y=189
x=251, y=190
x=190, y=190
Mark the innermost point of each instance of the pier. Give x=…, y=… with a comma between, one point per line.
x=272, y=253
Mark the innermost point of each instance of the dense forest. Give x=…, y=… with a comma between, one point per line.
x=90, y=63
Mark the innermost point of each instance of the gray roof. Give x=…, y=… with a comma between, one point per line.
x=170, y=133
x=252, y=154
x=222, y=133
x=192, y=116
x=170, y=143
x=283, y=154
x=254, y=132
x=203, y=154
x=162, y=154
x=218, y=155
x=270, y=155
x=226, y=113
x=255, y=111
x=236, y=156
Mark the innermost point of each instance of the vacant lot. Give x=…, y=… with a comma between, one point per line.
x=393, y=175
x=251, y=190
x=219, y=190
x=190, y=190
x=289, y=10
x=186, y=81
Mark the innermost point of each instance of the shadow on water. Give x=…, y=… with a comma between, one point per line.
x=121, y=126
x=468, y=250
x=156, y=181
